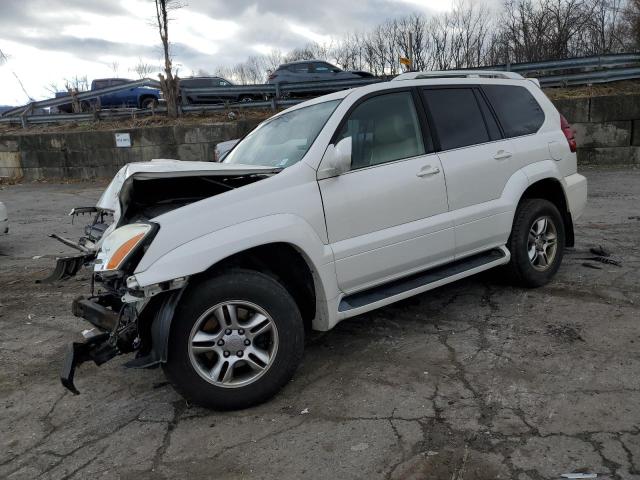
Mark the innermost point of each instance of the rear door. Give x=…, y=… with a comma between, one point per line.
x=477, y=163
x=521, y=116
x=387, y=217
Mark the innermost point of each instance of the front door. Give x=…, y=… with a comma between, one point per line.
x=387, y=217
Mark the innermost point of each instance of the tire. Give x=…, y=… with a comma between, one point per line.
x=195, y=350
x=149, y=103
x=522, y=268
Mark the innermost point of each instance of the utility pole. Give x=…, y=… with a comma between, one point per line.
x=408, y=60
x=410, y=52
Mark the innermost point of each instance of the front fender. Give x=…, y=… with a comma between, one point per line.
x=201, y=253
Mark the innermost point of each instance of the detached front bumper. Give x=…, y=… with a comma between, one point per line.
x=99, y=347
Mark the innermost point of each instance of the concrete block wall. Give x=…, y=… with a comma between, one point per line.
x=607, y=128
x=607, y=132
x=93, y=154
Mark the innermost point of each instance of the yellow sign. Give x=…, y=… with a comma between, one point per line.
x=405, y=61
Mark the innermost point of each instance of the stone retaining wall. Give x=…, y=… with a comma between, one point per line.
x=607, y=128
x=85, y=155
x=607, y=132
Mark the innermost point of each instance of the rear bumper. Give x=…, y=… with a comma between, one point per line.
x=576, y=191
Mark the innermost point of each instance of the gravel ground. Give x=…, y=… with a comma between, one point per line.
x=475, y=380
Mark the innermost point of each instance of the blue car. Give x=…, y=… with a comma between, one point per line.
x=136, y=97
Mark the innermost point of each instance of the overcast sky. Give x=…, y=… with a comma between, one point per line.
x=50, y=40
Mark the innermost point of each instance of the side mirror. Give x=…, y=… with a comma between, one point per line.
x=336, y=159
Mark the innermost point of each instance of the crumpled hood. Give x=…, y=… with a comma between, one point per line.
x=167, y=168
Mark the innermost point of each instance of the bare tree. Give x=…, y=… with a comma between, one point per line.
x=115, y=66
x=3, y=57
x=472, y=35
x=169, y=82
x=143, y=69
x=632, y=21
x=79, y=83
x=52, y=88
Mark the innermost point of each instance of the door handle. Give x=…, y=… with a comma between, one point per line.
x=502, y=155
x=427, y=171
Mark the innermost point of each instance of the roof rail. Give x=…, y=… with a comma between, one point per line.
x=459, y=74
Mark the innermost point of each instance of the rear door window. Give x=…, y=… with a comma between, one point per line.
x=489, y=118
x=518, y=111
x=300, y=67
x=457, y=116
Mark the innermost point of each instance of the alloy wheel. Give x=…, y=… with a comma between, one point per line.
x=542, y=243
x=233, y=344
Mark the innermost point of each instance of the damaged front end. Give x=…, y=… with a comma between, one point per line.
x=120, y=311
x=125, y=316
x=124, y=321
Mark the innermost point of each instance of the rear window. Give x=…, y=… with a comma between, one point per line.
x=518, y=111
x=457, y=117
x=199, y=82
x=300, y=67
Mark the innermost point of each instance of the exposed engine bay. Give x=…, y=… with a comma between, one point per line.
x=126, y=318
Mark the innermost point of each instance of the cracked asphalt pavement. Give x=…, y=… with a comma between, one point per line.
x=475, y=380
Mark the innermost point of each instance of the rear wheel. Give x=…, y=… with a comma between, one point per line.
x=536, y=243
x=236, y=340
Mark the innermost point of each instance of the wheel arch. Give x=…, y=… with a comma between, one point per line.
x=551, y=189
x=283, y=261
x=146, y=96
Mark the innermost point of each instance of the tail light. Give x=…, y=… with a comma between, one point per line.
x=568, y=133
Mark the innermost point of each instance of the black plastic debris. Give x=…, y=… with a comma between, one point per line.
x=600, y=251
x=591, y=265
x=608, y=261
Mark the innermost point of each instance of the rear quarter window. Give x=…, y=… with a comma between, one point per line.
x=518, y=111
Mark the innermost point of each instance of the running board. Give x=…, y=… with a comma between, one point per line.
x=405, y=287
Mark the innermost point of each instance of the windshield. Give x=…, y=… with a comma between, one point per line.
x=283, y=140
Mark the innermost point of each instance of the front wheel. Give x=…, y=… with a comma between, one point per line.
x=536, y=243
x=236, y=339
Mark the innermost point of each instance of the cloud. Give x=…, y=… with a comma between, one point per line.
x=75, y=37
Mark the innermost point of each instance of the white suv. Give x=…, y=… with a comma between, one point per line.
x=330, y=209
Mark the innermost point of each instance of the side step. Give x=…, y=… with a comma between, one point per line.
x=405, y=287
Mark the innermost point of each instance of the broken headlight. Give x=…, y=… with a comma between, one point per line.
x=122, y=245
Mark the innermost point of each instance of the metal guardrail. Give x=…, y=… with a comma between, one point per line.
x=599, y=61
x=282, y=89
x=605, y=76
x=135, y=112
x=594, y=69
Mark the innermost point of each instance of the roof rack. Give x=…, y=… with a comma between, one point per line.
x=459, y=74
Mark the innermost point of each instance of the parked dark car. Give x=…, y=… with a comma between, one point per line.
x=211, y=97
x=137, y=97
x=312, y=71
